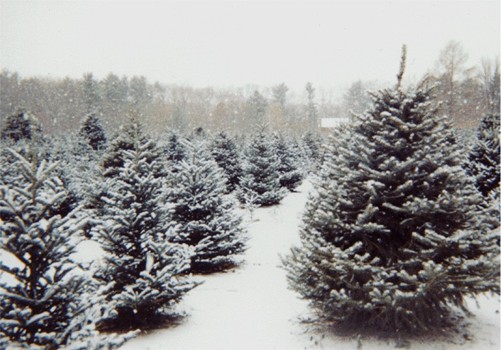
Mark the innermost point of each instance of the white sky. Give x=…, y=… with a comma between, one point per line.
x=238, y=43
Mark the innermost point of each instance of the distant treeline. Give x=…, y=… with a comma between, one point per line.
x=465, y=93
x=61, y=104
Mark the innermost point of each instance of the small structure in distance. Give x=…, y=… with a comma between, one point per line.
x=327, y=124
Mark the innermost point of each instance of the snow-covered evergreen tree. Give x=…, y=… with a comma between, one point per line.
x=302, y=161
x=226, y=155
x=147, y=271
x=290, y=176
x=21, y=126
x=484, y=156
x=79, y=165
x=81, y=332
x=129, y=135
x=260, y=171
x=93, y=132
x=42, y=290
x=312, y=146
x=204, y=214
x=393, y=233
x=174, y=150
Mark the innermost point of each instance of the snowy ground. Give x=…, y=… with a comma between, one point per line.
x=251, y=308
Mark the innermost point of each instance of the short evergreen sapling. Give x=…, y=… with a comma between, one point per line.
x=290, y=176
x=146, y=271
x=226, y=155
x=260, y=172
x=393, y=234
x=484, y=156
x=92, y=131
x=42, y=290
x=205, y=216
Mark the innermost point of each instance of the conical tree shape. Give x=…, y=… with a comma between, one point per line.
x=113, y=161
x=147, y=272
x=484, y=156
x=21, y=126
x=205, y=216
x=131, y=133
x=260, y=172
x=290, y=176
x=93, y=132
x=226, y=155
x=392, y=235
x=44, y=293
x=174, y=150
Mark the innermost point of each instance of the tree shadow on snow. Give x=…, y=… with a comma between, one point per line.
x=455, y=329
x=146, y=325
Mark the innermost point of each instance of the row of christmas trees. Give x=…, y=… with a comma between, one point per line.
x=401, y=224
x=160, y=212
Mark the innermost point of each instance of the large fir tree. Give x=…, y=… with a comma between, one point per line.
x=44, y=296
x=393, y=234
x=261, y=178
x=204, y=214
x=145, y=271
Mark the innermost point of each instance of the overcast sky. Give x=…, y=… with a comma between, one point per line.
x=238, y=43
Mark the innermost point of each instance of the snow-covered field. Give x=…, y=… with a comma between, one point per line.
x=251, y=307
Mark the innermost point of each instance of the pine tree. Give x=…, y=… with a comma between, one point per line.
x=204, y=214
x=392, y=235
x=260, y=172
x=290, y=176
x=20, y=126
x=147, y=271
x=93, y=132
x=484, y=156
x=226, y=155
x=43, y=292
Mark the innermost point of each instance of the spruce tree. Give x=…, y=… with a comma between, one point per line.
x=93, y=132
x=226, y=155
x=260, y=172
x=174, y=150
x=21, y=126
x=44, y=293
x=205, y=216
x=312, y=146
x=129, y=135
x=393, y=234
x=79, y=165
x=145, y=271
x=484, y=156
x=290, y=176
